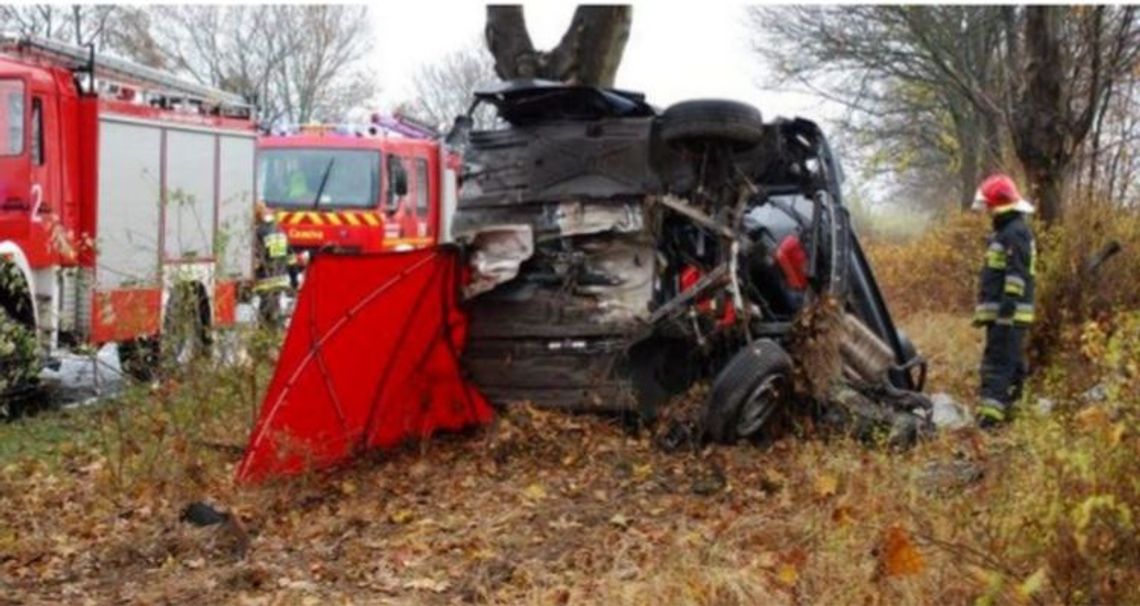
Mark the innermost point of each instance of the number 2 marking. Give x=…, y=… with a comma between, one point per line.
x=37, y=202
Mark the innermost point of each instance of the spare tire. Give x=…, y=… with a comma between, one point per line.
x=749, y=389
x=706, y=121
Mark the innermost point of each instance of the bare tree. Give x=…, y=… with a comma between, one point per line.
x=322, y=75
x=906, y=75
x=1073, y=58
x=299, y=62
x=589, y=53
x=1035, y=80
x=445, y=88
x=79, y=24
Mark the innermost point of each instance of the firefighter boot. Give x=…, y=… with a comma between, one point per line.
x=1002, y=364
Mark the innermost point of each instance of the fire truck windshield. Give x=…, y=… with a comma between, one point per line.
x=11, y=117
x=293, y=177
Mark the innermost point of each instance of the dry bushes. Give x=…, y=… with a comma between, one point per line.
x=1058, y=523
x=934, y=272
x=1068, y=293
x=937, y=272
x=549, y=508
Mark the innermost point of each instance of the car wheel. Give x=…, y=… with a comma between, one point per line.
x=700, y=122
x=752, y=386
x=138, y=359
x=185, y=335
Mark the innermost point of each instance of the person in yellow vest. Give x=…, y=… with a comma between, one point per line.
x=299, y=187
x=273, y=259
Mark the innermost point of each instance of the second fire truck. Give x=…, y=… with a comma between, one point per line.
x=384, y=186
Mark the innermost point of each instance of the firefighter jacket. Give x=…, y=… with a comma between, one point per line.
x=1005, y=292
x=273, y=258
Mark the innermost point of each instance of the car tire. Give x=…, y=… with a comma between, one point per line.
x=139, y=359
x=705, y=121
x=185, y=332
x=185, y=337
x=748, y=390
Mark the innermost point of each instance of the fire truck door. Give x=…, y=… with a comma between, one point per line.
x=399, y=212
x=43, y=141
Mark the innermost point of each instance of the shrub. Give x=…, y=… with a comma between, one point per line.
x=939, y=270
x=1068, y=294
x=934, y=272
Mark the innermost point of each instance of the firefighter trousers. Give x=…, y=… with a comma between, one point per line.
x=1003, y=365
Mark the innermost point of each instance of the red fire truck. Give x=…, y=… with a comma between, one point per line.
x=357, y=189
x=124, y=193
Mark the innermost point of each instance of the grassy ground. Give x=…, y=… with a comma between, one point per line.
x=545, y=508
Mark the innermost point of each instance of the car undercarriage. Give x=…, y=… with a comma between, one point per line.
x=620, y=254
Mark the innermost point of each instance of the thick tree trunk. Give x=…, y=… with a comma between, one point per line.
x=967, y=164
x=1039, y=125
x=589, y=53
x=509, y=42
x=1046, y=190
x=968, y=179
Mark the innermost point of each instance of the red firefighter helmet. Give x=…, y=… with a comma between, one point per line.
x=999, y=194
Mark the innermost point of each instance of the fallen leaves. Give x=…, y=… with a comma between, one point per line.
x=534, y=492
x=1093, y=418
x=900, y=557
x=401, y=516
x=787, y=575
x=522, y=515
x=428, y=584
x=620, y=520
x=842, y=515
x=826, y=485
x=1033, y=583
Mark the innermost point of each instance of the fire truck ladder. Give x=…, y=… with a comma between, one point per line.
x=81, y=59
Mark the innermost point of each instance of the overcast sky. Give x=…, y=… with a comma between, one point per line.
x=676, y=50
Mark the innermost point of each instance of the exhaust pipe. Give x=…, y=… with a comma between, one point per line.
x=864, y=353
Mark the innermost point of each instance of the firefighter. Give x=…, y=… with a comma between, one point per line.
x=299, y=189
x=1005, y=297
x=273, y=259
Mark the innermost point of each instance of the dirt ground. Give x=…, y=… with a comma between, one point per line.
x=542, y=508
x=539, y=508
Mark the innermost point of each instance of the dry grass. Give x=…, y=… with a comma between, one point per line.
x=951, y=346
x=546, y=508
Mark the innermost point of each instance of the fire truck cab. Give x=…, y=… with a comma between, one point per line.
x=123, y=192
x=358, y=189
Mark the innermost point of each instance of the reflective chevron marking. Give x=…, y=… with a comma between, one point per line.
x=354, y=218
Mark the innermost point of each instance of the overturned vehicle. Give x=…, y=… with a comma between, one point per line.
x=619, y=254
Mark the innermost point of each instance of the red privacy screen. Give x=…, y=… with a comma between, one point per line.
x=371, y=359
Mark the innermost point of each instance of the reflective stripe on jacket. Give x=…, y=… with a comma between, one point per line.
x=1006, y=288
x=273, y=256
